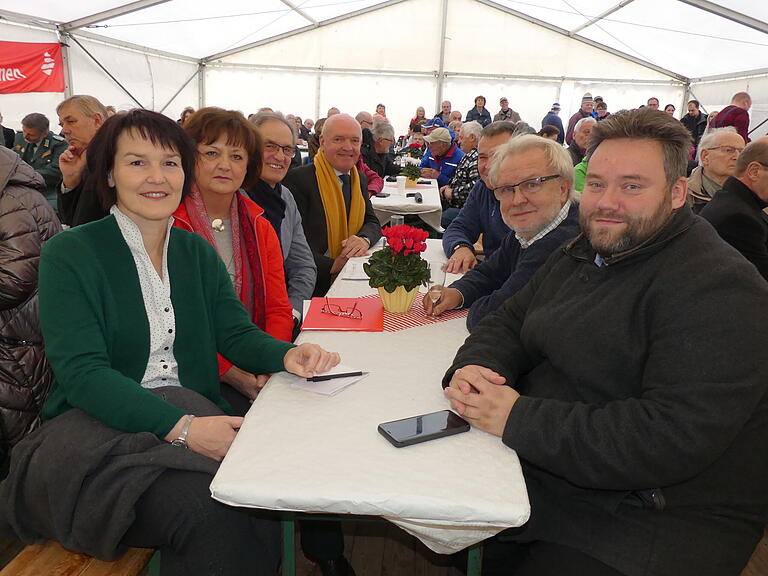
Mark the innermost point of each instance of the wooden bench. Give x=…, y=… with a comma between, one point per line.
x=51, y=559
x=758, y=564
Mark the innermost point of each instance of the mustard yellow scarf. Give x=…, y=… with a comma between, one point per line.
x=339, y=228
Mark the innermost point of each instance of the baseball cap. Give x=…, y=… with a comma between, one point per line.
x=439, y=135
x=434, y=122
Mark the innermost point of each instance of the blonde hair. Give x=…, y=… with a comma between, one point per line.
x=88, y=105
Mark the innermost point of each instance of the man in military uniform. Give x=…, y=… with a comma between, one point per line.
x=41, y=148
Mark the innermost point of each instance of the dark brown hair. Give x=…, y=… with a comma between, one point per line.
x=158, y=129
x=208, y=124
x=648, y=124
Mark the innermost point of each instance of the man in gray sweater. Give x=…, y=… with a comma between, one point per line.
x=629, y=375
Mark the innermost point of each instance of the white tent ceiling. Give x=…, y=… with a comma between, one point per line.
x=305, y=55
x=688, y=38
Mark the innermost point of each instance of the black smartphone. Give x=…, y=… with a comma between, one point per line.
x=391, y=179
x=423, y=428
x=382, y=195
x=423, y=182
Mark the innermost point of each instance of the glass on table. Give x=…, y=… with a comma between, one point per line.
x=396, y=220
x=436, y=281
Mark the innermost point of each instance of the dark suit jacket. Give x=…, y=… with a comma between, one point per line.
x=8, y=136
x=737, y=214
x=79, y=205
x=302, y=182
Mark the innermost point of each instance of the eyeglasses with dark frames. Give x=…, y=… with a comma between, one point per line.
x=289, y=151
x=336, y=310
x=529, y=186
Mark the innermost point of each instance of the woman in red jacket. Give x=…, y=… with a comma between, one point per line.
x=228, y=159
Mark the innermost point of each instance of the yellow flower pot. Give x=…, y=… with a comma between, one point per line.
x=399, y=301
x=411, y=182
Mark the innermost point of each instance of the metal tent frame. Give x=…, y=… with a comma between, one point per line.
x=72, y=30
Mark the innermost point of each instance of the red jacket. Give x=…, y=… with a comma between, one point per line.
x=276, y=304
x=375, y=182
x=733, y=116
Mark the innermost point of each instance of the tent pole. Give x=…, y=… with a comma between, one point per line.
x=201, y=85
x=179, y=90
x=62, y=38
x=441, y=63
x=107, y=72
x=318, y=84
x=686, y=97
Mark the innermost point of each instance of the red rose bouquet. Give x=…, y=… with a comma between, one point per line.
x=400, y=263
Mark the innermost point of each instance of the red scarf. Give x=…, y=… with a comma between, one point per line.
x=249, y=279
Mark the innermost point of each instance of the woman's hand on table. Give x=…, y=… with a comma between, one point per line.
x=307, y=359
x=210, y=436
x=249, y=385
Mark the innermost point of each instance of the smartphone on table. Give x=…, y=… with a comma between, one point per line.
x=423, y=427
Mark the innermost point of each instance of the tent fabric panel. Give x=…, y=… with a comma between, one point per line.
x=15, y=106
x=249, y=90
x=363, y=42
x=194, y=29
x=566, y=15
x=531, y=99
x=401, y=96
x=67, y=11
x=715, y=96
x=751, y=8
x=150, y=79
x=516, y=41
x=684, y=31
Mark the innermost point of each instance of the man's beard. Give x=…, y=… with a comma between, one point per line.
x=637, y=229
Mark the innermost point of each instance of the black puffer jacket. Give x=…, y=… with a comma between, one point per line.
x=26, y=222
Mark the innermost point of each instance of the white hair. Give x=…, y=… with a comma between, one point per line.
x=586, y=120
x=709, y=138
x=473, y=128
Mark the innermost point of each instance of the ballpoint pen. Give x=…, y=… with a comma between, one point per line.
x=334, y=376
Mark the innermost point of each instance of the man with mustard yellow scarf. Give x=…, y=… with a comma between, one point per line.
x=337, y=215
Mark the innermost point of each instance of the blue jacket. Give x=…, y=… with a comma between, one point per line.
x=479, y=215
x=490, y=283
x=554, y=120
x=484, y=117
x=446, y=166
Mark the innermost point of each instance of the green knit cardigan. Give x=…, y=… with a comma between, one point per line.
x=96, y=331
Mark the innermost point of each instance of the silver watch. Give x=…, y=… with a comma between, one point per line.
x=182, y=438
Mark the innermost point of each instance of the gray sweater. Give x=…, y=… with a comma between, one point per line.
x=300, y=268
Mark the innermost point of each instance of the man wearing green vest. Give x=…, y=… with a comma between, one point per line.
x=41, y=148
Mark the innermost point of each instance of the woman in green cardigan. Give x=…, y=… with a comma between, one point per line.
x=133, y=312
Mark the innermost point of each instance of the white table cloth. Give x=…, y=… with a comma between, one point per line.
x=429, y=210
x=300, y=451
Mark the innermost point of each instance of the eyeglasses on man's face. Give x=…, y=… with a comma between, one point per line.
x=274, y=147
x=529, y=187
x=729, y=150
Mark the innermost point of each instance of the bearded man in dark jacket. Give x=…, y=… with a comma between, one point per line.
x=629, y=375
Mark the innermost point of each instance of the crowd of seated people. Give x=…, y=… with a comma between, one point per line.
x=224, y=206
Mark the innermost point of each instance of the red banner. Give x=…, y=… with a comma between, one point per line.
x=30, y=67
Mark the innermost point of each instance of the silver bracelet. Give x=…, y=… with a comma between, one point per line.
x=182, y=438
